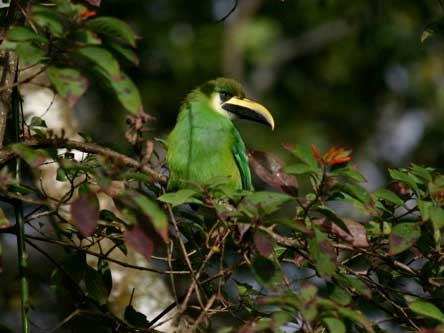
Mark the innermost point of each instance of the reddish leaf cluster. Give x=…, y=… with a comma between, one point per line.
x=87, y=14
x=333, y=156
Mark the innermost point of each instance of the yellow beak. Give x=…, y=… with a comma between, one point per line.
x=247, y=109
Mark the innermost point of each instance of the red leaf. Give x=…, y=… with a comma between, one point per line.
x=88, y=13
x=138, y=239
x=94, y=2
x=263, y=244
x=85, y=213
x=270, y=169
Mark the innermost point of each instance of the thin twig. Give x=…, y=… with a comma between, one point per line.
x=203, y=314
x=185, y=255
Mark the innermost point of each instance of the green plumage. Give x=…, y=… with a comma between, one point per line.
x=205, y=147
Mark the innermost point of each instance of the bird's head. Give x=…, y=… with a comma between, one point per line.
x=227, y=97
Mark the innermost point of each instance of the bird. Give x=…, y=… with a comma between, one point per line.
x=205, y=147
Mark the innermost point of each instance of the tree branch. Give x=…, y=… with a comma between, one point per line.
x=8, y=155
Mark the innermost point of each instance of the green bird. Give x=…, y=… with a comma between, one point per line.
x=205, y=146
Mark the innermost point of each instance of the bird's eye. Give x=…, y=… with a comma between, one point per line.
x=225, y=96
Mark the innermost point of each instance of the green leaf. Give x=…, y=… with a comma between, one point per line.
x=47, y=18
x=405, y=178
x=103, y=59
x=422, y=172
x=388, y=195
x=127, y=93
x=354, y=284
x=154, y=213
x=305, y=154
x=403, y=236
x=356, y=316
x=265, y=271
x=281, y=317
x=61, y=175
x=425, y=208
x=21, y=34
x=334, y=325
x=29, y=54
x=113, y=28
x=180, y=197
x=33, y=157
x=426, y=309
x=86, y=37
x=301, y=168
x=356, y=191
x=323, y=253
x=20, y=188
x=339, y=295
x=125, y=53
x=96, y=286
x=68, y=83
x=350, y=172
x=263, y=202
x=437, y=217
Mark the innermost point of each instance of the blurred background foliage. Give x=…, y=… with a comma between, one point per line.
x=333, y=72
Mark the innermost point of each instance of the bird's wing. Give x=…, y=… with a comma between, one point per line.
x=240, y=155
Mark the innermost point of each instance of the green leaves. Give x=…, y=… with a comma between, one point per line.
x=334, y=325
x=127, y=93
x=180, y=197
x=403, y=236
x=114, y=29
x=262, y=202
x=265, y=270
x=437, y=217
x=49, y=19
x=426, y=309
x=75, y=38
x=102, y=59
x=323, y=253
x=404, y=177
x=304, y=154
x=68, y=82
x=22, y=34
x=384, y=194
